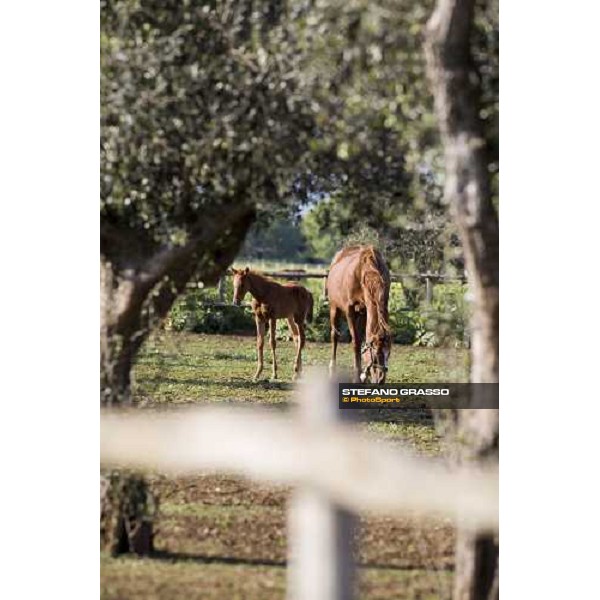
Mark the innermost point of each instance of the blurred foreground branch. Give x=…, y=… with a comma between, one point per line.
x=355, y=471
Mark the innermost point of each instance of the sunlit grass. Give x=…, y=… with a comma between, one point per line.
x=188, y=368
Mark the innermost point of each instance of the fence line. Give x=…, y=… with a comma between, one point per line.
x=296, y=275
x=395, y=277
x=335, y=471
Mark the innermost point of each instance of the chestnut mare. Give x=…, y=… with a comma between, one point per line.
x=358, y=286
x=274, y=301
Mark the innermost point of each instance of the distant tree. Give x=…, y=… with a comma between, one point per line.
x=380, y=155
x=280, y=239
x=335, y=221
x=326, y=227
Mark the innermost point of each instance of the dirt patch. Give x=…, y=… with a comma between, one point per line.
x=217, y=517
x=221, y=490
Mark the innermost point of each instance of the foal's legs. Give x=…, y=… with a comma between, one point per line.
x=260, y=343
x=293, y=331
x=273, y=345
x=334, y=314
x=299, y=322
x=295, y=336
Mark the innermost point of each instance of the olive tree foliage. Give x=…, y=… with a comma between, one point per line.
x=382, y=159
x=205, y=121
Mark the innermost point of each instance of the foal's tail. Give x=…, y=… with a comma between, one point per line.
x=309, y=309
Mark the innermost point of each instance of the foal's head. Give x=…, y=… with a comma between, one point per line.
x=240, y=284
x=375, y=356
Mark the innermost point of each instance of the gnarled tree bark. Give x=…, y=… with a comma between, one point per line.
x=139, y=284
x=468, y=191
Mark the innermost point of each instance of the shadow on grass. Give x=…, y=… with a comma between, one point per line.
x=249, y=384
x=422, y=416
x=413, y=414
x=167, y=556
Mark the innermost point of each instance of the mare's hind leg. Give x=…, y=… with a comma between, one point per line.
x=273, y=345
x=334, y=317
x=299, y=322
x=354, y=326
x=260, y=344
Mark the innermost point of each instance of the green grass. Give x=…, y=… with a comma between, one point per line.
x=222, y=537
x=176, y=368
x=128, y=578
x=421, y=438
x=151, y=579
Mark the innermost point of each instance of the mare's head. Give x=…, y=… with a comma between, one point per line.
x=375, y=357
x=240, y=284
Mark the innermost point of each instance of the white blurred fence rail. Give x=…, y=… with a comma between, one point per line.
x=335, y=471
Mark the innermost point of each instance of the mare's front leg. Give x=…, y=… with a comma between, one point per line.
x=353, y=326
x=260, y=343
x=360, y=321
x=273, y=345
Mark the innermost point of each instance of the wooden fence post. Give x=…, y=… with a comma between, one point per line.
x=221, y=289
x=320, y=550
x=428, y=290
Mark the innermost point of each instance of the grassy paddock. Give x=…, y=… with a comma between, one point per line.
x=183, y=368
x=225, y=537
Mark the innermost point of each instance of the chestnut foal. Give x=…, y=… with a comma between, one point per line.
x=272, y=301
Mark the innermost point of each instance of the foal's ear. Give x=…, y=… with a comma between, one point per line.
x=247, y=270
x=232, y=271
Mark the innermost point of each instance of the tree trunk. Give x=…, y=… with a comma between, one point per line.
x=468, y=191
x=127, y=512
x=134, y=299
x=120, y=338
